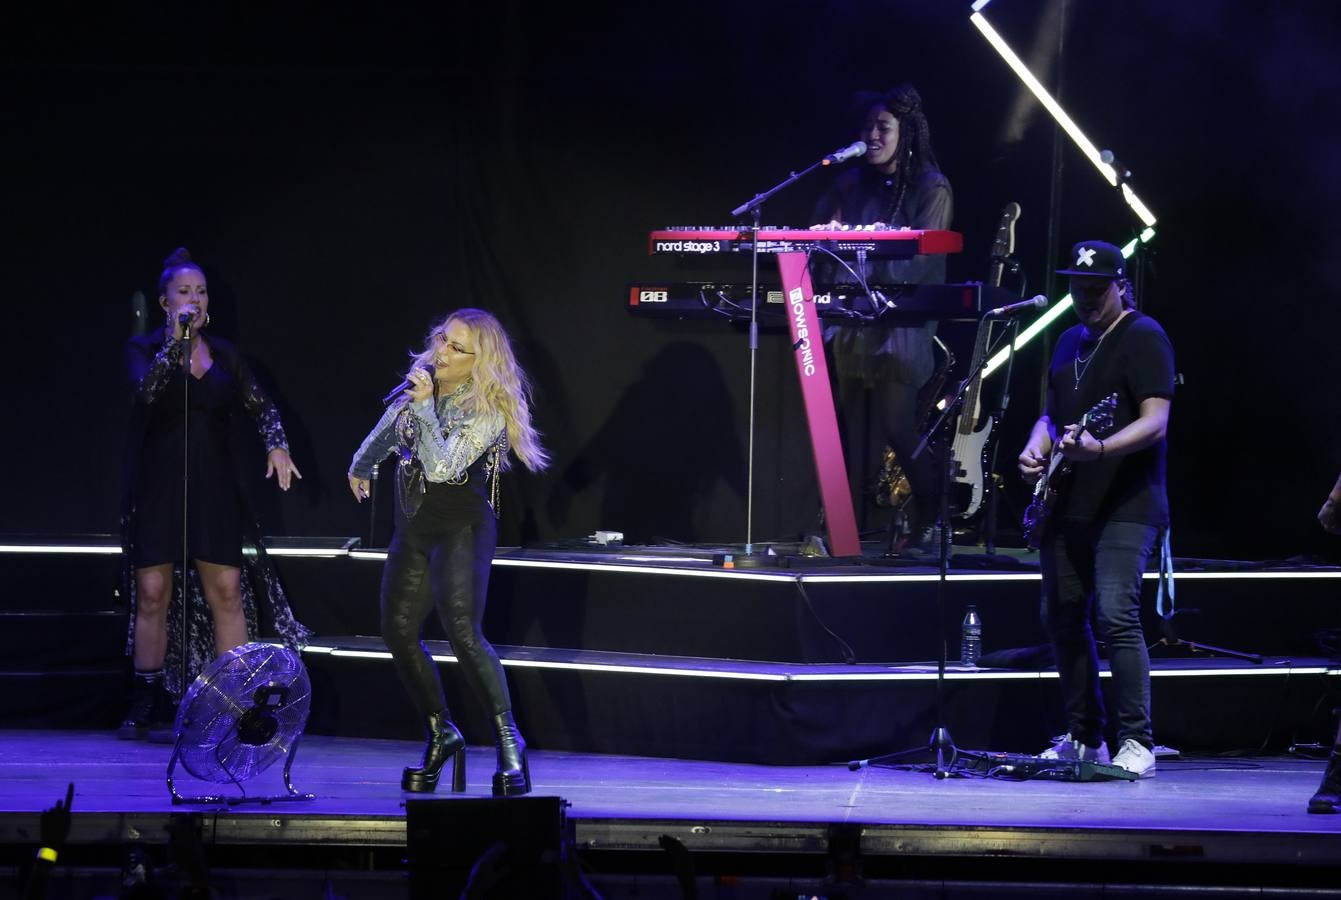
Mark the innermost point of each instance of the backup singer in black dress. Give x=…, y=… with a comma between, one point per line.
x=221, y=385
x=467, y=405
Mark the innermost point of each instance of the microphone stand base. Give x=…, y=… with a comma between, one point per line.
x=754, y=560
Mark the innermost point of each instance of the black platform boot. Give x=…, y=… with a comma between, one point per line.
x=513, y=777
x=163, y=719
x=444, y=742
x=1328, y=797
x=144, y=693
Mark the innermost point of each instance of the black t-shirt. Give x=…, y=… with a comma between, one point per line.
x=1135, y=361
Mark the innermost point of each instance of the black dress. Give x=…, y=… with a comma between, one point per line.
x=220, y=520
x=214, y=508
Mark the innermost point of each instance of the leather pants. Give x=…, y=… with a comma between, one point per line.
x=440, y=558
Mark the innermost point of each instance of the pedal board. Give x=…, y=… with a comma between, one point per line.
x=1023, y=766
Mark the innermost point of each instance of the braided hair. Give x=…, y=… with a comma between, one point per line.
x=915, y=155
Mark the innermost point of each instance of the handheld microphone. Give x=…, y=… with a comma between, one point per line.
x=405, y=385
x=851, y=151
x=1010, y=309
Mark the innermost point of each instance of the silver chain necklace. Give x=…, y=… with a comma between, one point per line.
x=1080, y=367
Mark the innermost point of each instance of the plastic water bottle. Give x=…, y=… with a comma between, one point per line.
x=970, y=638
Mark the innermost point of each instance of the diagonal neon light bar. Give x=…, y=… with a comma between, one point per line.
x=1085, y=145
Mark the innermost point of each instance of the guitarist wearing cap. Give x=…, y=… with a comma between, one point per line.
x=1108, y=514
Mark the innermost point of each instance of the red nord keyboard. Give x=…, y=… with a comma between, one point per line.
x=898, y=243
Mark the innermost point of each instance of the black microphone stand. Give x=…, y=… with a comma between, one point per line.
x=755, y=207
x=999, y=417
x=372, y=505
x=942, y=745
x=185, y=643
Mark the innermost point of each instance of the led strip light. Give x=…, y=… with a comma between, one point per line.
x=115, y=550
x=674, y=570
x=1051, y=105
x=69, y=549
x=1085, y=146
x=916, y=674
x=898, y=578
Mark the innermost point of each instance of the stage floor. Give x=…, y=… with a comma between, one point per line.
x=1211, y=810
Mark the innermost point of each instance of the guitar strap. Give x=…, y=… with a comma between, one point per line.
x=1165, y=577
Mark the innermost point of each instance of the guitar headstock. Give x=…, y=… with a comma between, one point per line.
x=1003, y=245
x=1098, y=419
x=1004, y=242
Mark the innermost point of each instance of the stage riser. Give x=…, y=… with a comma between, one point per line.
x=40, y=642
x=811, y=722
x=88, y=698
x=667, y=614
x=741, y=619
x=729, y=618
x=69, y=582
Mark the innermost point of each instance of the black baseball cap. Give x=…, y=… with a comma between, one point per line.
x=1097, y=258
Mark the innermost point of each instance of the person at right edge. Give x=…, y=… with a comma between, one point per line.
x=1110, y=513
x=1328, y=797
x=465, y=409
x=882, y=369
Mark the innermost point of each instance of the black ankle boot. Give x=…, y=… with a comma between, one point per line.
x=513, y=777
x=1328, y=797
x=144, y=692
x=444, y=742
x=163, y=719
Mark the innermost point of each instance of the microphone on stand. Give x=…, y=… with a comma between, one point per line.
x=851, y=151
x=1108, y=158
x=1010, y=309
x=406, y=385
x=184, y=319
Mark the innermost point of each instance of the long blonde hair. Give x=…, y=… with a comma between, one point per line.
x=497, y=382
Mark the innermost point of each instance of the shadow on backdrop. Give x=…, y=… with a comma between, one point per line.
x=673, y=434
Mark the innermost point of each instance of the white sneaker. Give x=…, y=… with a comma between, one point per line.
x=1135, y=758
x=1066, y=747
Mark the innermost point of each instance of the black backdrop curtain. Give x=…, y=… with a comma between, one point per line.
x=346, y=180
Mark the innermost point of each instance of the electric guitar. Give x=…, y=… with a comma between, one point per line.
x=970, y=445
x=1098, y=421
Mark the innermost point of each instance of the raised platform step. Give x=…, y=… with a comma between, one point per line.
x=794, y=713
x=676, y=602
x=52, y=639
x=92, y=697
x=673, y=600
x=651, y=615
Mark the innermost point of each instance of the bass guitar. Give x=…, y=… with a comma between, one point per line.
x=1098, y=421
x=974, y=431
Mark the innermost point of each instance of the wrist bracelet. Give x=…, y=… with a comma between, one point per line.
x=47, y=853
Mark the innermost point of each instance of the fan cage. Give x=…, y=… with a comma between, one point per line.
x=211, y=746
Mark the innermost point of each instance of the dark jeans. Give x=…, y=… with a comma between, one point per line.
x=441, y=558
x=1093, y=570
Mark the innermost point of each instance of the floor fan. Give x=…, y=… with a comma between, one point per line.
x=245, y=712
